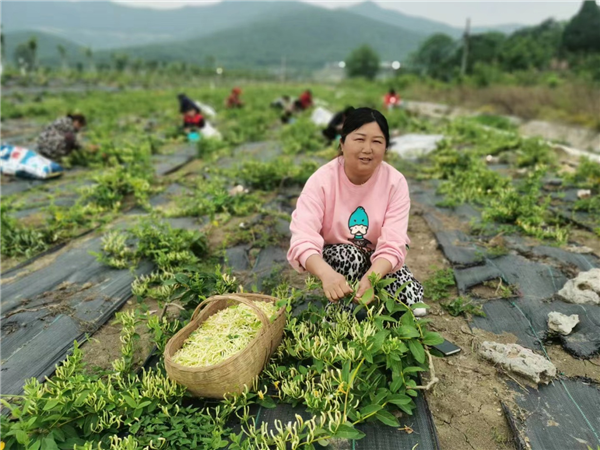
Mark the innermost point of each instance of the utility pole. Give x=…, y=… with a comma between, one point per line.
x=465, y=55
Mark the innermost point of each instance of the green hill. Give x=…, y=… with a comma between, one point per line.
x=307, y=39
x=104, y=24
x=47, y=47
x=419, y=24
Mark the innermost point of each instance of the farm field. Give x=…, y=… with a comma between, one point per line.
x=147, y=220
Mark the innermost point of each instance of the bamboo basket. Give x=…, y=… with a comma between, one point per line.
x=232, y=374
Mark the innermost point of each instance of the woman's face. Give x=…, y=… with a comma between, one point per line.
x=363, y=150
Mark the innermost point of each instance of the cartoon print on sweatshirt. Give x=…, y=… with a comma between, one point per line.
x=359, y=225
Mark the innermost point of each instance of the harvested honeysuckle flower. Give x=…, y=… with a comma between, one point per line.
x=222, y=335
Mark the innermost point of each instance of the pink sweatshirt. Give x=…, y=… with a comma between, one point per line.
x=332, y=210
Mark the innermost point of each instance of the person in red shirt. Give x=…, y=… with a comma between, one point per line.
x=191, y=113
x=234, y=100
x=192, y=120
x=304, y=101
x=391, y=100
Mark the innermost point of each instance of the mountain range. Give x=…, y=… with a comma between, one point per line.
x=234, y=34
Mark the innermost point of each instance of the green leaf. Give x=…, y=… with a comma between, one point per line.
x=323, y=442
x=379, y=339
x=385, y=282
x=387, y=418
x=396, y=384
x=370, y=409
x=49, y=444
x=431, y=338
x=36, y=445
x=267, y=402
x=417, y=350
x=348, y=432
x=399, y=399
x=131, y=402
x=22, y=437
x=413, y=369
x=406, y=408
x=50, y=405
x=367, y=296
x=419, y=305
x=390, y=305
x=181, y=278
x=408, y=332
x=386, y=318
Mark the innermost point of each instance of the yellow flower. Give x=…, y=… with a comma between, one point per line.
x=261, y=395
x=2, y=445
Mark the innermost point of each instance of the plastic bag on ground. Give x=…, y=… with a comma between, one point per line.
x=210, y=132
x=415, y=145
x=321, y=116
x=25, y=163
x=206, y=109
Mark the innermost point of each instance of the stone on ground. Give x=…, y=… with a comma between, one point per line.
x=584, y=289
x=562, y=323
x=519, y=360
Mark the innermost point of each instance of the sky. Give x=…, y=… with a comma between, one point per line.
x=481, y=12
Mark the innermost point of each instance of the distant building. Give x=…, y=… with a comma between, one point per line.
x=336, y=71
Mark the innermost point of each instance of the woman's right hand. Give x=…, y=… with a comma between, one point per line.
x=335, y=286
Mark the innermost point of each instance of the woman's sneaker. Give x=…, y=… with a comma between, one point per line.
x=420, y=312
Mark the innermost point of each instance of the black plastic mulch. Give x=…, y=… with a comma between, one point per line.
x=44, y=311
x=560, y=416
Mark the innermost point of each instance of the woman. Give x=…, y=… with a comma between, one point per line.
x=391, y=100
x=334, y=128
x=191, y=113
x=351, y=218
x=234, y=100
x=59, y=138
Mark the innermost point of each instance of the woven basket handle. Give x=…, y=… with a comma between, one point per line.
x=261, y=315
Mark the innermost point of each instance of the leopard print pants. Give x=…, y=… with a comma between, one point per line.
x=353, y=263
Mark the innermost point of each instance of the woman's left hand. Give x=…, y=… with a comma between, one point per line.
x=362, y=288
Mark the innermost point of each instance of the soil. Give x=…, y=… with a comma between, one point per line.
x=104, y=346
x=465, y=403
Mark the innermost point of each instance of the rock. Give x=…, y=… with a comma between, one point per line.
x=562, y=323
x=581, y=249
x=282, y=227
x=584, y=193
x=584, y=289
x=236, y=190
x=519, y=360
x=492, y=159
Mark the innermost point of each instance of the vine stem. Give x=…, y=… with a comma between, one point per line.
x=433, y=379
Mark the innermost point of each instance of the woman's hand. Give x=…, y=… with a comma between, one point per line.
x=335, y=286
x=362, y=288
x=382, y=267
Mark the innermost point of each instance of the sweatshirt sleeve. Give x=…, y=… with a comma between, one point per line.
x=306, y=225
x=394, y=232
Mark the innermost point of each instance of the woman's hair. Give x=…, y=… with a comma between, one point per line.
x=78, y=118
x=348, y=110
x=362, y=116
x=392, y=92
x=185, y=104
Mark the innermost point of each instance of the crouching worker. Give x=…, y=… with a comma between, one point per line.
x=191, y=113
x=391, y=100
x=234, y=100
x=351, y=218
x=304, y=102
x=284, y=103
x=334, y=128
x=59, y=138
